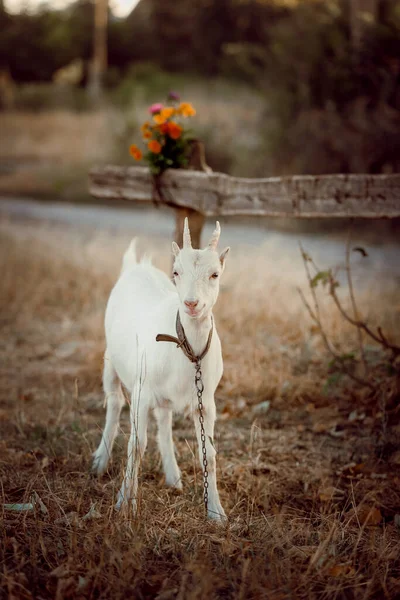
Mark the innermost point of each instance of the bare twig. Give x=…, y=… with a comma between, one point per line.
x=306, y=260
x=317, y=320
x=379, y=338
x=328, y=277
x=354, y=305
x=315, y=315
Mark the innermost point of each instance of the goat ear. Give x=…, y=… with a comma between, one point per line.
x=223, y=256
x=175, y=249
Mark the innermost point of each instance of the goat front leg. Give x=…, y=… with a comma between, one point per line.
x=166, y=446
x=136, y=449
x=214, y=508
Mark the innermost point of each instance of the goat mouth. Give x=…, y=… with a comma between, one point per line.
x=194, y=314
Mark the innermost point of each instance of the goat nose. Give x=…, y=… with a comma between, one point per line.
x=191, y=303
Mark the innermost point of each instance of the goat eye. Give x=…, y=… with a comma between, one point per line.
x=214, y=276
x=175, y=274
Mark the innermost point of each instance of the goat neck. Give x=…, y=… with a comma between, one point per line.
x=196, y=330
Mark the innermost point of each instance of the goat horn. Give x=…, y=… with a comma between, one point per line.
x=187, y=241
x=213, y=243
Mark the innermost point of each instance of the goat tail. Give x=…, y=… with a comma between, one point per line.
x=130, y=257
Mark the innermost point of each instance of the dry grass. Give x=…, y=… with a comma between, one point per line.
x=310, y=496
x=50, y=153
x=56, y=136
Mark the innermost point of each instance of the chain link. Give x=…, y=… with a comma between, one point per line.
x=198, y=379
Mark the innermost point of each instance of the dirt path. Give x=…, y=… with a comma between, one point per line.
x=327, y=248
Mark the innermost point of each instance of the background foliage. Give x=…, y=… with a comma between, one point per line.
x=330, y=104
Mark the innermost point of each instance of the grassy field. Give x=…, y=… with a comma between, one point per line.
x=311, y=486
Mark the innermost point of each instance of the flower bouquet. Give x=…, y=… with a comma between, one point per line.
x=166, y=136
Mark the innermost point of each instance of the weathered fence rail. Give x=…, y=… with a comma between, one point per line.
x=202, y=194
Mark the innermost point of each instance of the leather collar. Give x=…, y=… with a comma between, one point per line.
x=182, y=342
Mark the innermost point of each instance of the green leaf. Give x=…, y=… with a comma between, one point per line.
x=336, y=363
x=348, y=356
x=322, y=276
x=331, y=381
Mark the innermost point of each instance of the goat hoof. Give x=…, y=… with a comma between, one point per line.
x=97, y=470
x=175, y=484
x=99, y=465
x=218, y=516
x=123, y=505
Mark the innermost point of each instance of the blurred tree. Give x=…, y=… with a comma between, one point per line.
x=98, y=65
x=174, y=26
x=329, y=69
x=215, y=22
x=362, y=14
x=34, y=45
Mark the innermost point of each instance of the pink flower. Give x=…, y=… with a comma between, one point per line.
x=174, y=96
x=155, y=108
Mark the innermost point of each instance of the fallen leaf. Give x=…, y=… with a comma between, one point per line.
x=45, y=462
x=329, y=493
x=341, y=571
x=369, y=515
x=351, y=469
x=92, y=514
x=320, y=427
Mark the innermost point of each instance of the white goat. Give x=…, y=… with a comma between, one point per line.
x=159, y=375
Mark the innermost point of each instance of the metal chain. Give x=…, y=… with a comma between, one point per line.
x=198, y=380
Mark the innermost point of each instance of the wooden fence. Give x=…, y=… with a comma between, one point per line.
x=198, y=194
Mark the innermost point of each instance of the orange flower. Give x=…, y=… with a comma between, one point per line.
x=154, y=146
x=159, y=119
x=145, y=126
x=186, y=109
x=174, y=130
x=135, y=152
x=164, y=115
x=167, y=112
x=163, y=128
x=147, y=134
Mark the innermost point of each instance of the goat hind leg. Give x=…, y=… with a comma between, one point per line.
x=115, y=401
x=136, y=449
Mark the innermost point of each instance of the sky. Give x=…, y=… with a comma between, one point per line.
x=120, y=8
